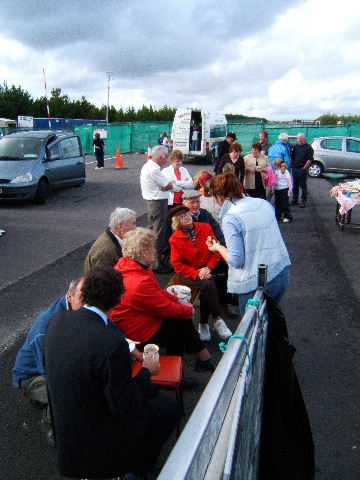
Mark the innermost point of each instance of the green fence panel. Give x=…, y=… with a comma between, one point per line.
x=86, y=137
x=137, y=136
x=119, y=136
x=144, y=134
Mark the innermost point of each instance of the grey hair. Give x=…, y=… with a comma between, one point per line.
x=159, y=151
x=137, y=242
x=284, y=136
x=120, y=215
x=73, y=284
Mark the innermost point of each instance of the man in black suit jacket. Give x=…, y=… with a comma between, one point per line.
x=106, y=423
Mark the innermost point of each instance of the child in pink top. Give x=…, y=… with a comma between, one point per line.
x=283, y=189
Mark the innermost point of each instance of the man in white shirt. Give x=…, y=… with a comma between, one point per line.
x=154, y=189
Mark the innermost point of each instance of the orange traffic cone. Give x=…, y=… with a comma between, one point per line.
x=119, y=161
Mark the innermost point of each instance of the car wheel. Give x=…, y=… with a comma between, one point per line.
x=315, y=170
x=42, y=191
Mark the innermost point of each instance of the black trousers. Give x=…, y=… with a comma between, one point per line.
x=299, y=181
x=163, y=416
x=177, y=336
x=213, y=292
x=282, y=204
x=100, y=158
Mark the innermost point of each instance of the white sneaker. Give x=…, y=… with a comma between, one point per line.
x=286, y=220
x=98, y=168
x=222, y=330
x=204, y=332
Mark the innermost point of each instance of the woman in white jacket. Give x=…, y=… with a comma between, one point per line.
x=180, y=176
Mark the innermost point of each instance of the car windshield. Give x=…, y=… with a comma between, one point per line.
x=12, y=148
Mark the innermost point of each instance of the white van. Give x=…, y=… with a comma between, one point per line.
x=195, y=131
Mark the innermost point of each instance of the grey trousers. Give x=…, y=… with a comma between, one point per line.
x=157, y=218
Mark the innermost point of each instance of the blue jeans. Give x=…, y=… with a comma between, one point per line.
x=276, y=289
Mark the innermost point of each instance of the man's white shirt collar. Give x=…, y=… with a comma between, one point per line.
x=99, y=312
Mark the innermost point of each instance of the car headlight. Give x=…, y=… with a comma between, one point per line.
x=27, y=177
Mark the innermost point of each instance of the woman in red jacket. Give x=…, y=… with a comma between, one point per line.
x=149, y=314
x=197, y=267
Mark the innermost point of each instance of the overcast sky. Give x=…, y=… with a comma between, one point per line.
x=279, y=59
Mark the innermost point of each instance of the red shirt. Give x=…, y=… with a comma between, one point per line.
x=187, y=257
x=140, y=313
x=177, y=195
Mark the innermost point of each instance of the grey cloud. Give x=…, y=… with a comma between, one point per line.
x=137, y=38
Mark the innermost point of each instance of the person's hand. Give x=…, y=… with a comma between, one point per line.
x=212, y=244
x=204, y=273
x=152, y=364
x=137, y=355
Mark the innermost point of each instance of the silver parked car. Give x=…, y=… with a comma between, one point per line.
x=335, y=154
x=32, y=163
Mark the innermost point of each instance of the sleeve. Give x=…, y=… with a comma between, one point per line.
x=179, y=263
x=242, y=168
x=187, y=181
x=234, y=241
x=159, y=178
x=101, y=260
x=214, y=257
x=38, y=348
x=289, y=180
x=150, y=296
x=125, y=395
x=311, y=153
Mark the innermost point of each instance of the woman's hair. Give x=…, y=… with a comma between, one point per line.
x=235, y=147
x=175, y=222
x=228, y=167
x=257, y=146
x=176, y=155
x=201, y=178
x=226, y=185
x=137, y=242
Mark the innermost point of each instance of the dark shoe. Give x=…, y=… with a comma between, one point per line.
x=204, y=366
x=302, y=205
x=189, y=383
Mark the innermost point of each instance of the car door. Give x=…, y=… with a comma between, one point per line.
x=331, y=153
x=53, y=164
x=74, y=162
x=352, y=154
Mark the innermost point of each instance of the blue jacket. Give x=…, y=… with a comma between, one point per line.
x=30, y=358
x=281, y=150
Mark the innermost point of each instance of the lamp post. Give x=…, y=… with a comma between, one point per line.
x=108, y=97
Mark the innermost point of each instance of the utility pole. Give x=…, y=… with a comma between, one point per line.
x=46, y=97
x=108, y=96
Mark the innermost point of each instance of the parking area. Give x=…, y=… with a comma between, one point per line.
x=45, y=247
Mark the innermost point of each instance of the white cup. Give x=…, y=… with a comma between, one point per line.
x=182, y=292
x=151, y=351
